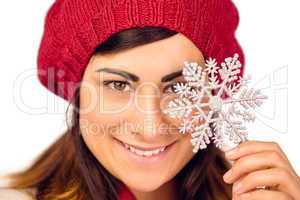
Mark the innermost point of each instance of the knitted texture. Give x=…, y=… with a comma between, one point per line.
x=74, y=28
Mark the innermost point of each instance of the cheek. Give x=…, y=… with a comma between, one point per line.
x=97, y=126
x=97, y=130
x=96, y=135
x=99, y=117
x=185, y=150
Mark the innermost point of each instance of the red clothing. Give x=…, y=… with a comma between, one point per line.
x=126, y=194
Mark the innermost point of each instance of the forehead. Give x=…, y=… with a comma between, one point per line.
x=154, y=59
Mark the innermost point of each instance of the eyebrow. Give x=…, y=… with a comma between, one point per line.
x=171, y=76
x=125, y=74
x=135, y=78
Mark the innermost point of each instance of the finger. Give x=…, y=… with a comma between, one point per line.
x=252, y=162
x=278, y=179
x=263, y=195
x=252, y=147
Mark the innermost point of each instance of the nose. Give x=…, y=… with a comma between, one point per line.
x=148, y=116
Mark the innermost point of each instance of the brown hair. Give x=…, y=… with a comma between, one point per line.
x=68, y=170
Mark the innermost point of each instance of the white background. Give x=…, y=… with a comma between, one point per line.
x=268, y=32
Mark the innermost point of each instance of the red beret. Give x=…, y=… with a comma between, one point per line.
x=74, y=28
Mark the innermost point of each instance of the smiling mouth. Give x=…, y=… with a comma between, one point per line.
x=145, y=152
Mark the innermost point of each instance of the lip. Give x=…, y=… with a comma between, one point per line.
x=143, y=160
x=146, y=148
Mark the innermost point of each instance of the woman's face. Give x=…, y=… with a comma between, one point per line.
x=121, y=98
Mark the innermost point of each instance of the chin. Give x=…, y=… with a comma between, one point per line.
x=144, y=184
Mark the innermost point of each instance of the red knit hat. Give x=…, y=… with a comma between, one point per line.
x=74, y=28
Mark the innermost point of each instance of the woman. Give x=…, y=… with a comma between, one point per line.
x=114, y=61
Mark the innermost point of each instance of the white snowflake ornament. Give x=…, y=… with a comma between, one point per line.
x=202, y=109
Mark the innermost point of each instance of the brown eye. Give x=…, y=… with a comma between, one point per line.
x=171, y=87
x=122, y=86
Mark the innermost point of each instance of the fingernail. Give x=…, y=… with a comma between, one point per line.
x=227, y=176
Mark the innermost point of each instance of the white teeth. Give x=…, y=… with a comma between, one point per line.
x=143, y=152
x=156, y=151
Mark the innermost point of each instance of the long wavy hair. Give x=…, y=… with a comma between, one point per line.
x=68, y=170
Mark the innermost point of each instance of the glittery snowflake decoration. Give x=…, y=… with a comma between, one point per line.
x=212, y=107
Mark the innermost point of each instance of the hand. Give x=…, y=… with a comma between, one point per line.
x=258, y=164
